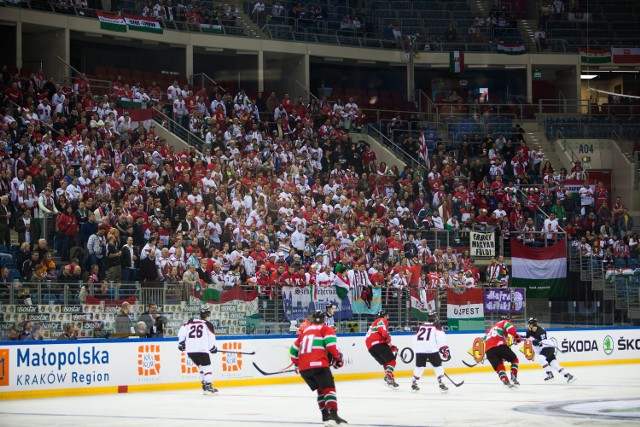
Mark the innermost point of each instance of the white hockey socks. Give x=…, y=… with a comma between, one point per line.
x=555, y=365
x=207, y=374
x=439, y=371
x=417, y=372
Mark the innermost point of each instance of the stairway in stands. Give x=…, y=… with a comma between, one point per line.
x=535, y=134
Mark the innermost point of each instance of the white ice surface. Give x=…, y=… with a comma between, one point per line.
x=482, y=400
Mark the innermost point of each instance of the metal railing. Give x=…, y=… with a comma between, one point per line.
x=374, y=132
x=193, y=140
x=563, y=106
x=565, y=148
x=201, y=79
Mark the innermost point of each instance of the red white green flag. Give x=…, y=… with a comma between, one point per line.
x=541, y=271
x=465, y=310
x=143, y=23
x=595, y=56
x=512, y=48
x=422, y=302
x=111, y=22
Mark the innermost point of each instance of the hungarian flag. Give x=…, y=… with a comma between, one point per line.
x=626, y=55
x=341, y=284
x=423, y=301
x=215, y=29
x=512, y=48
x=465, y=310
x=594, y=56
x=424, y=151
x=235, y=296
x=111, y=22
x=142, y=23
x=138, y=115
x=541, y=271
x=456, y=61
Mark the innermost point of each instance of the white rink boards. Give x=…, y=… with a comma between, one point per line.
x=605, y=396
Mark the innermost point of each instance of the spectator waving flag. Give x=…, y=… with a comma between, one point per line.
x=424, y=151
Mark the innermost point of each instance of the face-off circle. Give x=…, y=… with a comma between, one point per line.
x=614, y=409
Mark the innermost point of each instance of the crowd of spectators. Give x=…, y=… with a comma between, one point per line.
x=285, y=201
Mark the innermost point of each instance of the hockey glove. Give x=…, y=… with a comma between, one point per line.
x=181, y=346
x=213, y=350
x=394, y=349
x=296, y=370
x=536, y=343
x=517, y=339
x=445, y=353
x=338, y=362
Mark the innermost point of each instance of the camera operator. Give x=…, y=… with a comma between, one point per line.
x=155, y=321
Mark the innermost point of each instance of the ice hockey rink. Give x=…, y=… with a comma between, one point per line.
x=606, y=395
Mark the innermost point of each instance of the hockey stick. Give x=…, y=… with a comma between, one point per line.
x=236, y=352
x=453, y=382
x=470, y=365
x=284, y=371
x=548, y=343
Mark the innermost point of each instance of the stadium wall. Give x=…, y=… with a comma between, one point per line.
x=31, y=370
x=292, y=59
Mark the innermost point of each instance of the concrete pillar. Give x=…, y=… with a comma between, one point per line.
x=529, y=83
x=260, y=70
x=189, y=60
x=19, y=44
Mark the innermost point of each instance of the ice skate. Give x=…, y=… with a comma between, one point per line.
x=333, y=419
x=443, y=388
x=208, y=390
x=414, y=385
x=570, y=378
x=514, y=380
x=506, y=382
x=391, y=382
x=549, y=376
x=325, y=415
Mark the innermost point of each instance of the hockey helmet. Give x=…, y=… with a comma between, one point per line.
x=432, y=317
x=382, y=313
x=505, y=317
x=330, y=306
x=532, y=321
x=317, y=317
x=205, y=311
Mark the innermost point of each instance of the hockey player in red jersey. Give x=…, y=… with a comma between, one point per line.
x=496, y=347
x=197, y=338
x=379, y=345
x=312, y=353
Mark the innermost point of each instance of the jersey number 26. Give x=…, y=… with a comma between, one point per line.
x=195, y=331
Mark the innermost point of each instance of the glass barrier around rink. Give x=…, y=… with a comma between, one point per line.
x=97, y=311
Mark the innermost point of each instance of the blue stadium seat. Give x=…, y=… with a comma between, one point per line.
x=14, y=274
x=620, y=263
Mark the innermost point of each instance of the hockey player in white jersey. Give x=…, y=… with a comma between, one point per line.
x=429, y=344
x=545, y=350
x=198, y=339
